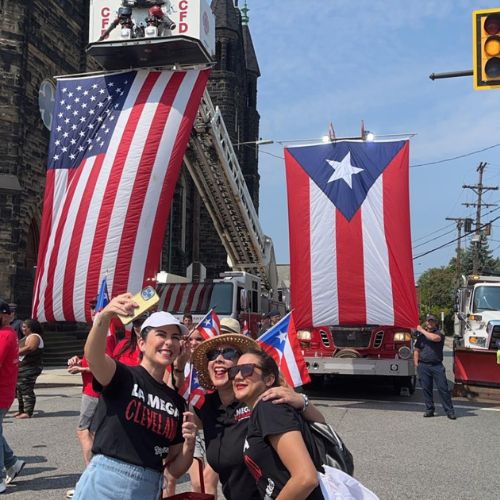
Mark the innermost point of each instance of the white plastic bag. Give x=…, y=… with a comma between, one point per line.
x=337, y=485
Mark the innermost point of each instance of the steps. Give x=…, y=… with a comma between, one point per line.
x=62, y=341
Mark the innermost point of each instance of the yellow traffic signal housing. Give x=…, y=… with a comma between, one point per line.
x=486, y=48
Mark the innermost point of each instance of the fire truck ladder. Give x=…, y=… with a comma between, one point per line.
x=217, y=174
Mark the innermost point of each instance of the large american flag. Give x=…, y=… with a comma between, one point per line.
x=350, y=245
x=116, y=148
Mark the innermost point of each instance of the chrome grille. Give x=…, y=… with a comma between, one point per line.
x=495, y=337
x=351, y=337
x=379, y=337
x=324, y=338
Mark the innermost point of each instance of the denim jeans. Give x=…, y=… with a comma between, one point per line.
x=107, y=478
x=428, y=374
x=7, y=457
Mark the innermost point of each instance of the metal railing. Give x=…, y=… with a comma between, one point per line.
x=214, y=167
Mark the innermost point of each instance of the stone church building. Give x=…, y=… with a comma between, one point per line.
x=43, y=38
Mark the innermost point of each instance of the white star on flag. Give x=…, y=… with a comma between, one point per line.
x=282, y=336
x=343, y=170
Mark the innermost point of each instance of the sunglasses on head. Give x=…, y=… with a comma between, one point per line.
x=246, y=370
x=229, y=353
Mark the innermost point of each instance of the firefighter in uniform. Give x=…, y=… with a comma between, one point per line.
x=428, y=357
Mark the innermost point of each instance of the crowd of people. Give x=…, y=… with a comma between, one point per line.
x=136, y=381
x=138, y=435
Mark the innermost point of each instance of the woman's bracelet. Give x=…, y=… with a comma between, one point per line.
x=306, y=402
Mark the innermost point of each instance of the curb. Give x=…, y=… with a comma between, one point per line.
x=58, y=377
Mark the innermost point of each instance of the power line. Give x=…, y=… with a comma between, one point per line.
x=454, y=240
x=431, y=233
x=432, y=239
x=455, y=157
x=437, y=162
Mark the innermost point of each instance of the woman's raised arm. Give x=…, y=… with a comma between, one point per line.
x=101, y=365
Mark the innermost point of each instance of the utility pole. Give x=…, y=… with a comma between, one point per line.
x=458, y=265
x=479, y=189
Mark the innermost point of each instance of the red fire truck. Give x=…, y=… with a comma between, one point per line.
x=235, y=294
x=382, y=351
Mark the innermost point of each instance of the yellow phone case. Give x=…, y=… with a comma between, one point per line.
x=146, y=299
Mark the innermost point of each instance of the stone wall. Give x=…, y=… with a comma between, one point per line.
x=40, y=39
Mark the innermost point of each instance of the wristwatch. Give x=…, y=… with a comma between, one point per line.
x=306, y=402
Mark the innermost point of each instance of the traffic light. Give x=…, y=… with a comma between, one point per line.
x=486, y=48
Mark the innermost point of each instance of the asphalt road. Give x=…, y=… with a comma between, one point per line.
x=398, y=454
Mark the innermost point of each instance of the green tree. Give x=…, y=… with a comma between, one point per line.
x=437, y=287
x=487, y=263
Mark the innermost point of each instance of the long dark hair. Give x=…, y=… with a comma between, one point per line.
x=131, y=344
x=268, y=365
x=34, y=326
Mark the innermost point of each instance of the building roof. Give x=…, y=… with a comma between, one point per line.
x=226, y=15
x=250, y=57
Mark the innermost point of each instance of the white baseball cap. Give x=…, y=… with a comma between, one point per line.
x=163, y=318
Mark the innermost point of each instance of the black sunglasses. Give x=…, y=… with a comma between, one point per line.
x=229, y=353
x=246, y=370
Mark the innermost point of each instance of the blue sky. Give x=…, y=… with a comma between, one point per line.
x=348, y=60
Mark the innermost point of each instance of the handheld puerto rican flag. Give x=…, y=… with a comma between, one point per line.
x=245, y=330
x=281, y=342
x=191, y=389
x=209, y=326
x=103, y=297
x=350, y=243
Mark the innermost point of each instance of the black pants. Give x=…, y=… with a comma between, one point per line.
x=25, y=388
x=428, y=374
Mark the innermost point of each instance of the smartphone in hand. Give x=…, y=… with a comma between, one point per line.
x=145, y=299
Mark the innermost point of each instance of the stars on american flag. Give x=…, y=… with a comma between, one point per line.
x=85, y=116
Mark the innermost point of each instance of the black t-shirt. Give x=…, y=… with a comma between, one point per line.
x=225, y=428
x=137, y=418
x=269, y=419
x=430, y=352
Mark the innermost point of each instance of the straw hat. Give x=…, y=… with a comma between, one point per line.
x=230, y=325
x=240, y=342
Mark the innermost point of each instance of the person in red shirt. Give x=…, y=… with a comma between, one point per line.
x=127, y=351
x=10, y=465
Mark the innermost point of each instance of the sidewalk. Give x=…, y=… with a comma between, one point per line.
x=54, y=376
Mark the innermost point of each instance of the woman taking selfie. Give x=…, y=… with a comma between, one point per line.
x=139, y=419
x=275, y=450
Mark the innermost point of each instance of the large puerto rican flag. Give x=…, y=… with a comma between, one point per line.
x=350, y=243
x=116, y=149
